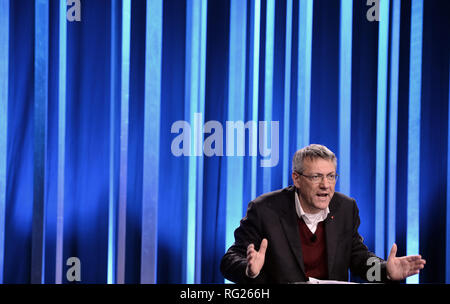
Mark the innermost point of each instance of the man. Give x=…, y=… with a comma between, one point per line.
x=308, y=230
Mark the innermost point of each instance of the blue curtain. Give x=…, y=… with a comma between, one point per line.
x=191, y=197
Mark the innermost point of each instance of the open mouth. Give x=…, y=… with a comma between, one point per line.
x=322, y=197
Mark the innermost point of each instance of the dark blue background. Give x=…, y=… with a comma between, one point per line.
x=88, y=131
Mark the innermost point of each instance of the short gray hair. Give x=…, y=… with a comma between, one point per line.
x=313, y=151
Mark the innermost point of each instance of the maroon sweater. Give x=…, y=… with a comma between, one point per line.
x=314, y=250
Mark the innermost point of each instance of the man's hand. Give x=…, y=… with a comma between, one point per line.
x=403, y=267
x=255, y=259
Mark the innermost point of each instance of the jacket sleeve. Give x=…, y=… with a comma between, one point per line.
x=234, y=262
x=360, y=264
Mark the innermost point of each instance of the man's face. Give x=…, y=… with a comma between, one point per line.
x=315, y=196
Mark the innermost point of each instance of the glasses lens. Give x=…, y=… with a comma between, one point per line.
x=332, y=178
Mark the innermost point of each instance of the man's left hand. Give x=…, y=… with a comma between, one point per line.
x=399, y=268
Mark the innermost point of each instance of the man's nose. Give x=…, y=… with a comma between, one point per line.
x=324, y=183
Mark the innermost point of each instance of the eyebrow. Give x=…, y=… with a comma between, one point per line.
x=324, y=174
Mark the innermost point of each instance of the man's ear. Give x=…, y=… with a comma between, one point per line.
x=294, y=180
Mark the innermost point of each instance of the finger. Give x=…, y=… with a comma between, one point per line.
x=393, y=251
x=415, y=268
x=251, y=252
x=420, y=263
x=263, y=247
x=252, y=256
x=250, y=248
x=249, y=264
x=417, y=264
x=412, y=258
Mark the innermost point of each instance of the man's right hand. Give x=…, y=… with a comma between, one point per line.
x=255, y=259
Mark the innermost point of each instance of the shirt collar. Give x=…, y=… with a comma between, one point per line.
x=308, y=217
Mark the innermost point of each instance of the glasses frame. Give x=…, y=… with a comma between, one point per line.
x=321, y=176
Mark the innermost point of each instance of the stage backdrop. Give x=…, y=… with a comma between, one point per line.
x=134, y=133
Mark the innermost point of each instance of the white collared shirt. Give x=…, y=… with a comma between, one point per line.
x=311, y=219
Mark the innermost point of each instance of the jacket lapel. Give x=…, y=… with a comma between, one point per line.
x=289, y=223
x=331, y=234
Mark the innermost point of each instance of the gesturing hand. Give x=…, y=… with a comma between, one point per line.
x=399, y=268
x=255, y=259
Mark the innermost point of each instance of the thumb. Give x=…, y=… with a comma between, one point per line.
x=393, y=252
x=263, y=246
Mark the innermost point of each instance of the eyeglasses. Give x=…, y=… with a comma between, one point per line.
x=317, y=178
